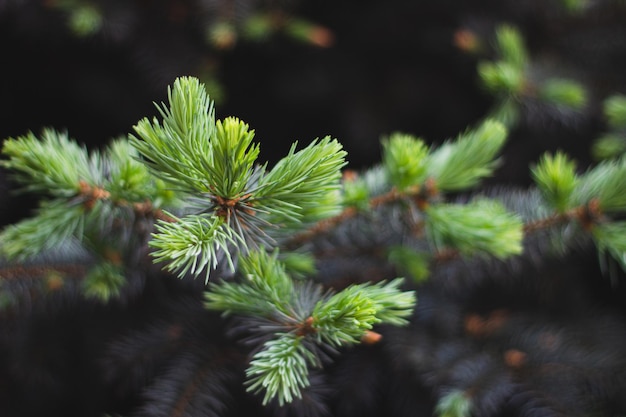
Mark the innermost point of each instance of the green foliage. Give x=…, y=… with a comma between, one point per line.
x=216, y=161
x=563, y=92
x=613, y=143
x=512, y=79
x=304, y=313
x=481, y=227
x=104, y=281
x=53, y=165
x=280, y=369
x=556, y=179
x=196, y=184
x=85, y=20
x=194, y=245
x=393, y=306
x=510, y=46
x=609, y=145
x=404, y=158
x=233, y=158
x=502, y=77
x=410, y=262
x=605, y=184
x=53, y=226
x=506, y=75
x=615, y=111
x=304, y=185
x=611, y=238
x=344, y=317
x=462, y=164
x=178, y=149
x=454, y=404
x=265, y=289
x=298, y=264
x=83, y=191
x=356, y=193
x=576, y=6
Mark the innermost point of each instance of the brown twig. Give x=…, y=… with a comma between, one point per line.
x=421, y=196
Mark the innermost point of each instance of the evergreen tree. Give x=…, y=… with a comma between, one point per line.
x=173, y=274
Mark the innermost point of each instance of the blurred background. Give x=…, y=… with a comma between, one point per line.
x=297, y=70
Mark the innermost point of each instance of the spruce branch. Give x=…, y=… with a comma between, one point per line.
x=264, y=280
x=344, y=317
x=462, y=164
x=54, y=165
x=512, y=77
x=347, y=315
x=556, y=179
x=301, y=317
x=179, y=148
x=54, y=225
x=405, y=159
x=216, y=163
x=481, y=227
x=606, y=184
x=304, y=185
x=413, y=173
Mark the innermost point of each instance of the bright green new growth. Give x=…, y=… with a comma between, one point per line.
x=404, y=158
x=481, y=227
x=238, y=201
x=465, y=162
x=556, y=179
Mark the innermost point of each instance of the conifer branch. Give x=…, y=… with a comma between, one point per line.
x=280, y=367
x=237, y=201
